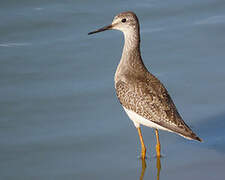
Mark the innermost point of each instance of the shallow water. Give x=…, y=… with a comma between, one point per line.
x=59, y=115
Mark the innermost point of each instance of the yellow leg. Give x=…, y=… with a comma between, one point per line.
x=143, y=148
x=157, y=143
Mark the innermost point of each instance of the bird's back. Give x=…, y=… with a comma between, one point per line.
x=144, y=94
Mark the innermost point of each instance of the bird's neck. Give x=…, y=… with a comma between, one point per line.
x=131, y=41
x=131, y=60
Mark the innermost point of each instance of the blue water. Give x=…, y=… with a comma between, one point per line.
x=59, y=115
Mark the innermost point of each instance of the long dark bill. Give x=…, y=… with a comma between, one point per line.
x=101, y=29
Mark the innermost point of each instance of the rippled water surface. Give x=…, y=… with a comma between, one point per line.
x=59, y=115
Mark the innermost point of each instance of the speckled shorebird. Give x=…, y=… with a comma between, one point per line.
x=143, y=97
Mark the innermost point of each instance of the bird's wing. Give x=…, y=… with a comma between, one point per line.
x=150, y=99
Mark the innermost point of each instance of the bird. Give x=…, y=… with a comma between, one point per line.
x=143, y=97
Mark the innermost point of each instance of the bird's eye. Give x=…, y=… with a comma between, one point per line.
x=123, y=20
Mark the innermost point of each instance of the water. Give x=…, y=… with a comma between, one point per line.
x=59, y=115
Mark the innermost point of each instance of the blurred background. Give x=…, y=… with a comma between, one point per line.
x=59, y=115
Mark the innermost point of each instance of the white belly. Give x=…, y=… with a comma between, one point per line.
x=137, y=120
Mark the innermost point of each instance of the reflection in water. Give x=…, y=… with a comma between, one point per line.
x=158, y=166
x=143, y=168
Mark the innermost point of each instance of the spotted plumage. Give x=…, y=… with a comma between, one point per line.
x=148, y=98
